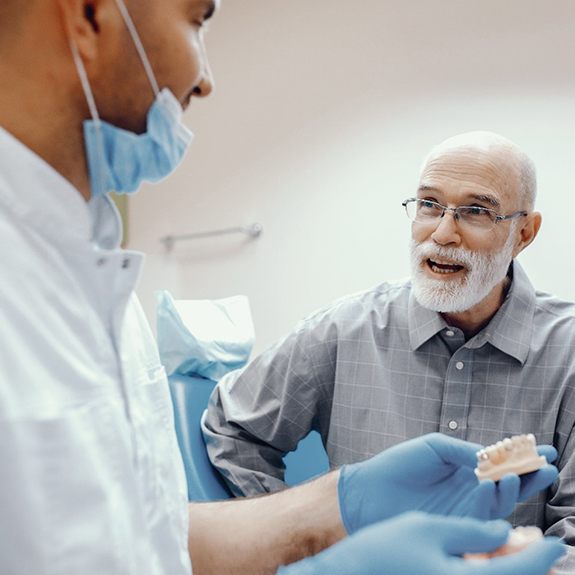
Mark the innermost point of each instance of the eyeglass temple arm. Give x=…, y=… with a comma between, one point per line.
x=511, y=216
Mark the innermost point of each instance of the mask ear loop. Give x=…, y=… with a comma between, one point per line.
x=139, y=46
x=100, y=148
x=85, y=83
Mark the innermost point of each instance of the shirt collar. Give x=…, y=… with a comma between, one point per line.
x=39, y=195
x=509, y=330
x=423, y=322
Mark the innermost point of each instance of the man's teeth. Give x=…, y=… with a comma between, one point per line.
x=444, y=268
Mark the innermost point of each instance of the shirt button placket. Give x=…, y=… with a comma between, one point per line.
x=456, y=396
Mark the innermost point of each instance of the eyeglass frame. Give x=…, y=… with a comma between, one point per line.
x=497, y=217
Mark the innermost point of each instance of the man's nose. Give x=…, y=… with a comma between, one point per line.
x=447, y=230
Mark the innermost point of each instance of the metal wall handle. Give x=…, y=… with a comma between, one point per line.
x=253, y=230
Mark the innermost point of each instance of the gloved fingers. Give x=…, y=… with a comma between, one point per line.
x=531, y=483
x=459, y=535
x=537, y=559
x=506, y=495
x=481, y=500
x=548, y=451
x=454, y=451
x=350, y=501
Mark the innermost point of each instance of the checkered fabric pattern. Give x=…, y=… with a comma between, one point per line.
x=376, y=368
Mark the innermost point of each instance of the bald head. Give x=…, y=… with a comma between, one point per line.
x=501, y=154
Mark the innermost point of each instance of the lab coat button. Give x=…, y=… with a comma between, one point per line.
x=126, y=263
x=100, y=262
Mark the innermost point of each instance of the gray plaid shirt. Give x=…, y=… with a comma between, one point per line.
x=377, y=368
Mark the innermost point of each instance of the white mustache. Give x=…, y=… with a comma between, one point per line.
x=483, y=271
x=459, y=256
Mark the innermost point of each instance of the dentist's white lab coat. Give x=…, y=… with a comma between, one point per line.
x=91, y=479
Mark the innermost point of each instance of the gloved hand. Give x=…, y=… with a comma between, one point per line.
x=433, y=473
x=420, y=544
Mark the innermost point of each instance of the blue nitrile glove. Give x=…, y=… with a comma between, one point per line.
x=433, y=473
x=420, y=544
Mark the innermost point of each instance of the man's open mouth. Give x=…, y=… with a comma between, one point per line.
x=443, y=267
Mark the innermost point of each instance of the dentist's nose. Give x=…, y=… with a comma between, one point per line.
x=206, y=84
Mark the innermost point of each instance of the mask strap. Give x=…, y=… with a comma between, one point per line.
x=99, y=151
x=138, y=44
x=85, y=83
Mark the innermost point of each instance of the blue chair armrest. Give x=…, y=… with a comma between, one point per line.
x=307, y=461
x=190, y=397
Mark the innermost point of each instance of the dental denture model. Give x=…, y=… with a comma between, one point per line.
x=517, y=454
x=518, y=539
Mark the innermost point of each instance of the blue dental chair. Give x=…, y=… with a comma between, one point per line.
x=190, y=397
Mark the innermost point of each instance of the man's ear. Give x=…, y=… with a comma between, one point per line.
x=528, y=231
x=83, y=21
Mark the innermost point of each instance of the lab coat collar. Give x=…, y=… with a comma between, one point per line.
x=35, y=192
x=106, y=223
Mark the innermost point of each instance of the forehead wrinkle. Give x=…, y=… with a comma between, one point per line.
x=471, y=167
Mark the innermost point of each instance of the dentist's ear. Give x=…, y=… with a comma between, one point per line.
x=527, y=232
x=87, y=21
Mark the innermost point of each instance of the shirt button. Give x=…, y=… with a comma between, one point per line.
x=450, y=333
x=459, y=365
x=452, y=425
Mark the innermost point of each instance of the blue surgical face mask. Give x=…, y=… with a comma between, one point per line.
x=120, y=160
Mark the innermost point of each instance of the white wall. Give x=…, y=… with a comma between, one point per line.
x=322, y=113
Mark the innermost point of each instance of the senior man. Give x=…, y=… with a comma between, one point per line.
x=467, y=347
x=91, y=478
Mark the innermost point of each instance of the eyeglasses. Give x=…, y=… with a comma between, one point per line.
x=430, y=212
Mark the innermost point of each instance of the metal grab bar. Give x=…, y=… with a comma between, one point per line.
x=253, y=231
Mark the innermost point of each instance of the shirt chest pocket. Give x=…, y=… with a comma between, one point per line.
x=155, y=435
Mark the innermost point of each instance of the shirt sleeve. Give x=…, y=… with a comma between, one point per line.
x=560, y=508
x=257, y=415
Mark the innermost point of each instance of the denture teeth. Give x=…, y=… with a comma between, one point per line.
x=518, y=539
x=517, y=454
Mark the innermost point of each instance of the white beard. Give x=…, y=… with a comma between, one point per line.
x=484, y=272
